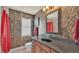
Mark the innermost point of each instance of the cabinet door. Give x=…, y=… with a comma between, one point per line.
x=37, y=49
x=33, y=47
x=40, y=48
x=43, y=47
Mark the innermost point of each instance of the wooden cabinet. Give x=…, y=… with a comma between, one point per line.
x=37, y=48
x=41, y=48
x=52, y=51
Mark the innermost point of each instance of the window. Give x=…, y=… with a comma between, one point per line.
x=26, y=27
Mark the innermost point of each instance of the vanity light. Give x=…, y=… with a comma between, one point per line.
x=44, y=9
x=47, y=8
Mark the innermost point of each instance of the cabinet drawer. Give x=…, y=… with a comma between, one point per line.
x=47, y=49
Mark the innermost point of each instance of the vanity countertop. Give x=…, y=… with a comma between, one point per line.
x=60, y=45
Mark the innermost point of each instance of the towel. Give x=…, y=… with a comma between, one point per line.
x=5, y=33
x=76, y=32
x=36, y=31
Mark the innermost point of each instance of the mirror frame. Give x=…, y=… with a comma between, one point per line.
x=59, y=20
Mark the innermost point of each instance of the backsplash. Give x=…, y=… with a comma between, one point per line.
x=68, y=17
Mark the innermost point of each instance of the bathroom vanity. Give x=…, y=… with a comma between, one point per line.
x=38, y=47
x=57, y=45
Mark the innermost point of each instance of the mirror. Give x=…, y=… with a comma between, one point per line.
x=53, y=22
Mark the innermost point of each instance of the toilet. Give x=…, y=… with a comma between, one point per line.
x=28, y=47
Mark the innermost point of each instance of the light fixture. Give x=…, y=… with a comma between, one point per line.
x=47, y=8
x=44, y=9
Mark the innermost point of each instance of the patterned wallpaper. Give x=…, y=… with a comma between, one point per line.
x=15, y=21
x=68, y=17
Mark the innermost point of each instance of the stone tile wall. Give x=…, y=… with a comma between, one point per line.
x=15, y=21
x=68, y=17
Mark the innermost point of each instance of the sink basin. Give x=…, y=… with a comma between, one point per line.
x=47, y=40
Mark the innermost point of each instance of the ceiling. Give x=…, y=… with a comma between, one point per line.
x=27, y=9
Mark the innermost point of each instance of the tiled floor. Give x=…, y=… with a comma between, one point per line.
x=22, y=49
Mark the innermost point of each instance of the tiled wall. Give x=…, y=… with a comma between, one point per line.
x=68, y=17
x=15, y=21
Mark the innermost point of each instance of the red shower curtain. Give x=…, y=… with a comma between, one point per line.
x=49, y=26
x=5, y=32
